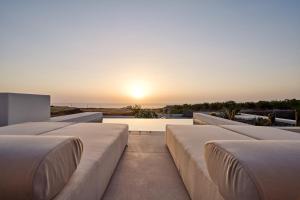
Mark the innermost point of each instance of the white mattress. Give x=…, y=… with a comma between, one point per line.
x=255, y=170
x=32, y=128
x=103, y=145
x=186, y=145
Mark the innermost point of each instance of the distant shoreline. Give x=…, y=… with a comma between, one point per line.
x=106, y=105
x=281, y=108
x=210, y=106
x=66, y=110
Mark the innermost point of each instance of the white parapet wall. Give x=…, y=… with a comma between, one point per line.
x=17, y=108
x=205, y=119
x=79, y=117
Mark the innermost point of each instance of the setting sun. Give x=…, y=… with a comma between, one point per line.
x=138, y=92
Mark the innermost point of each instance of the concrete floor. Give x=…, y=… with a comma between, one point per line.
x=146, y=172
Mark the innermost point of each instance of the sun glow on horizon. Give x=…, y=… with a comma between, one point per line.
x=138, y=90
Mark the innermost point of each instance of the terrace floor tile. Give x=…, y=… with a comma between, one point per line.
x=146, y=171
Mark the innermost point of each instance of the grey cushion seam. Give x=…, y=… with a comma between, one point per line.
x=247, y=171
x=239, y=133
x=41, y=162
x=56, y=129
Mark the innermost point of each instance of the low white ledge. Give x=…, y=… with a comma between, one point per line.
x=79, y=117
x=205, y=119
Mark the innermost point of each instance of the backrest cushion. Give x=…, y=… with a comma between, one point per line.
x=36, y=167
x=255, y=170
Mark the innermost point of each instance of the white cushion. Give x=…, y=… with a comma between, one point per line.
x=103, y=147
x=36, y=167
x=186, y=145
x=255, y=170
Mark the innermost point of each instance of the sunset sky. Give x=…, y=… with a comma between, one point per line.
x=153, y=51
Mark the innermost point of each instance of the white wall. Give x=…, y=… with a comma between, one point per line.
x=201, y=119
x=16, y=108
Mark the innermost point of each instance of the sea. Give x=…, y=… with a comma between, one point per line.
x=106, y=105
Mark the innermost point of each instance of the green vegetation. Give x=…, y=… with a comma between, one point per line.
x=284, y=109
x=63, y=110
x=229, y=113
x=185, y=109
x=287, y=104
x=135, y=109
x=272, y=118
x=230, y=110
x=297, y=117
x=142, y=113
x=259, y=121
x=145, y=113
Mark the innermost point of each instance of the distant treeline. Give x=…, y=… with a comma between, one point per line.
x=288, y=104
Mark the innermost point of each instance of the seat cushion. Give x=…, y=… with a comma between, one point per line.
x=186, y=145
x=255, y=170
x=36, y=167
x=103, y=147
